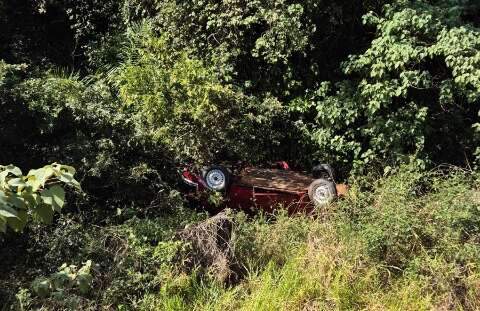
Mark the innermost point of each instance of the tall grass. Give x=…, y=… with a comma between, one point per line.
x=409, y=241
x=404, y=242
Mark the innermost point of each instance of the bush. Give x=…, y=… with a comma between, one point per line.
x=129, y=261
x=409, y=242
x=82, y=123
x=414, y=214
x=279, y=48
x=414, y=91
x=181, y=103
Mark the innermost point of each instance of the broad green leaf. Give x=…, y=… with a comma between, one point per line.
x=86, y=267
x=61, y=279
x=84, y=278
x=54, y=196
x=42, y=287
x=69, y=180
x=45, y=213
x=17, y=182
x=8, y=212
x=47, y=197
x=32, y=199
x=33, y=182
x=84, y=281
x=17, y=201
x=58, y=196
x=18, y=224
x=21, y=195
x=48, y=172
x=3, y=177
x=3, y=198
x=39, y=174
x=64, y=168
x=15, y=171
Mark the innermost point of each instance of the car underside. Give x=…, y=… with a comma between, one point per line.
x=253, y=189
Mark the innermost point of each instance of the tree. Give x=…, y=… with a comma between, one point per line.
x=414, y=92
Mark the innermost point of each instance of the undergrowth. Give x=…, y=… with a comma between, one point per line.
x=409, y=241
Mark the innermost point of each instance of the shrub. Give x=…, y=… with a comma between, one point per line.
x=414, y=91
x=37, y=194
x=129, y=261
x=82, y=123
x=415, y=213
x=67, y=277
x=278, y=47
x=182, y=103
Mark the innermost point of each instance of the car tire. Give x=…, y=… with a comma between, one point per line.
x=217, y=178
x=323, y=171
x=322, y=191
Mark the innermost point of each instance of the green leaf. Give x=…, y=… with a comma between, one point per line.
x=11, y=169
x=18, y=224
x=3, y=198
x=58, y=195
x=54, y=196
x=42, y=287
x=8, y=212
x=69, y=180
x=3, y=177
x=17, y=201
x=16, y=182
x=36, y=177
x=61, y=280
x=84, y=282
x=45, y=213
x=64, y=168
x=3, y=224
x=21, y=195
x=33, y=182
x=33, y=199
x=84, y=278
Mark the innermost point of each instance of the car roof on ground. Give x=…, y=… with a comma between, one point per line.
x=274, y=179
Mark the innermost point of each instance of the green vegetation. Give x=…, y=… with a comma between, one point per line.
x=411, y=242
x=38, y=194
x=388, y=92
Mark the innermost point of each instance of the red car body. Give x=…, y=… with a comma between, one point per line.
x=253, y=189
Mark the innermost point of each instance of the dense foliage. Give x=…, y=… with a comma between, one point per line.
x=353, y=82
x=183, y=104
x=415, y=91
x=129, y=91
x=412, y=243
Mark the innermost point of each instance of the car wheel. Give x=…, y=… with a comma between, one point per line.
x=324, y=171
x=217, y=178
x=322, y=191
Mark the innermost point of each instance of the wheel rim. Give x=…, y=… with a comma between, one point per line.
x=322, y=194
x=215, y=179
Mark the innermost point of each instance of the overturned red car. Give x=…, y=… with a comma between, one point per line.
x=252, y=188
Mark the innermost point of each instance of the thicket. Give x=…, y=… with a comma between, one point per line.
x=408, y=241
x=355, y=83
x=127, y=91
